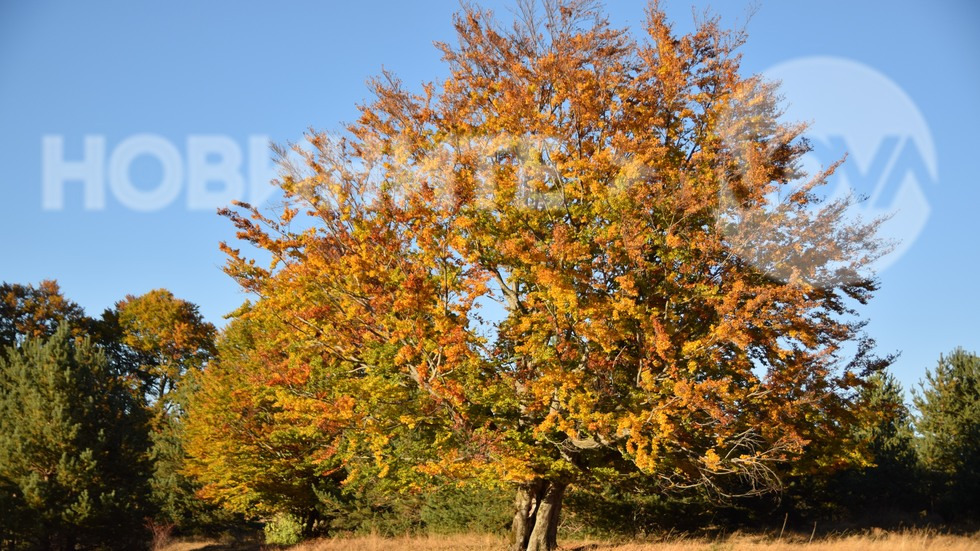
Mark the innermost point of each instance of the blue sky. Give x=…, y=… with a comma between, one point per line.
x=244, y=69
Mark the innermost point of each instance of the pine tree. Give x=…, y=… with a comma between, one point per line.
x=73, y=444
x=891, y=481
x=949, y=431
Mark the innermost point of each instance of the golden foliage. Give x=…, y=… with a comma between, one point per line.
x=587, y=182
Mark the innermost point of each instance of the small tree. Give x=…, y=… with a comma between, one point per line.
x=948, y=402
x=659, y=311
x=167, y=337
x=251, y=444
x=27, y=311
x=73, y=442
x=166, y=343
x=892, y=481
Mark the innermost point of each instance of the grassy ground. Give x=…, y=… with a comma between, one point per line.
x=874, y=541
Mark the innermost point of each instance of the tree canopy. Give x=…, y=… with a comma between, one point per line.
x=658, y=310
x=92, y=434
x=166, y=336
x=27, y=311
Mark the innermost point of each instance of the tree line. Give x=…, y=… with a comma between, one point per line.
x=90, y=417
x=97, y=450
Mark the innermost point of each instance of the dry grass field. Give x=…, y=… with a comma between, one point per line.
x=874, y=541
x=881, y=542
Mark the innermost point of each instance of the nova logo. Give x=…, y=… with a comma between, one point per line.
x=891, y=158
x=852, y=111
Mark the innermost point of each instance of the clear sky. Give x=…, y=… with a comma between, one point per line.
x=895, y=83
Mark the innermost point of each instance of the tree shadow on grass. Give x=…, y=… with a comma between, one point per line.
x=238, y=546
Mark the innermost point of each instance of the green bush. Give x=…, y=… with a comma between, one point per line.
x=443, y=508
x=283, y=529
x=452, y=509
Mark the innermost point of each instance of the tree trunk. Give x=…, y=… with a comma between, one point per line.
x=535, y=526
x=524, y=510
x=544, y=537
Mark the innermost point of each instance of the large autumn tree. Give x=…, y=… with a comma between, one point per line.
x=580, y=254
